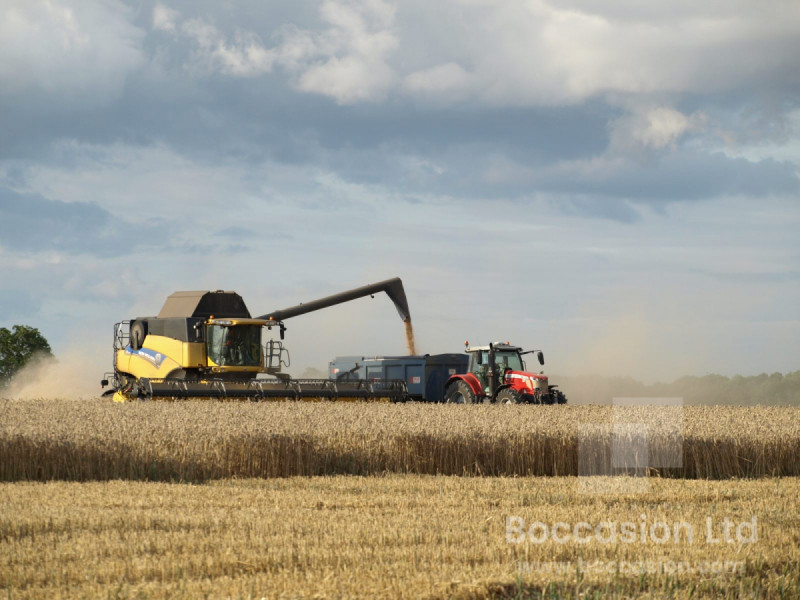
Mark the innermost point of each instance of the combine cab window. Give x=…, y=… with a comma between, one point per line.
x=234, y=346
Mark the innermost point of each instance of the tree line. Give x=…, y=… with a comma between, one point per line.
x=17, y=347
x=774, y=389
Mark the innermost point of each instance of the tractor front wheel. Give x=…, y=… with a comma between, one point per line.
x=508, y=396
x=459, y=392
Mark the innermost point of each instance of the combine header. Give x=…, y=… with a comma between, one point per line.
x=206, y=345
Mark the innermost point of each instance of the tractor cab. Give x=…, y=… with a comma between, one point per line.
x=506, y=357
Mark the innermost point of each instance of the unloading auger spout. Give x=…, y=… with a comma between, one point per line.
x=393, y=288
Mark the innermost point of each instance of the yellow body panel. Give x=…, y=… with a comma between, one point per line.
x=161, y=355
x=194, y=354
x=158, y=357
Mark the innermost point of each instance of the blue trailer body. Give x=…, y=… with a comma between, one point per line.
x=425, y=376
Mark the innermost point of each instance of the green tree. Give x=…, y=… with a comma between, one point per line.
x=17, y=347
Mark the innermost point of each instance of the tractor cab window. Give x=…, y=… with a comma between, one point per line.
x=479, y=363
x=508, y=360
x=234, y=346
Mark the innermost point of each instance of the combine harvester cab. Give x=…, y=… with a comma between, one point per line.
x=496, y=373
x=206, y=345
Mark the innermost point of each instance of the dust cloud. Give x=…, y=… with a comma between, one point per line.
x=617, y=347
x=625, y=355
x=72, y=375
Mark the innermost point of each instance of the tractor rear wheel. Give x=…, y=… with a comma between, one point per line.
x=508, y=396
x=559, y=397
x=459, y=392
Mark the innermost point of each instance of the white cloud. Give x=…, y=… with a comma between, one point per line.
x=244, y=56
x=545, y=53
x=448, y=79
x=655, y=128
x=348, y=60
x=81, y=52
x=518, y=53
x=164, y=18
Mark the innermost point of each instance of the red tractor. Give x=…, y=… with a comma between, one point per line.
x=496, y=373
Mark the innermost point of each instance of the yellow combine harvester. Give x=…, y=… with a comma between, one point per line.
x=206, y=345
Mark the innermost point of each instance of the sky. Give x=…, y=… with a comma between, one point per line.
x=614, y=182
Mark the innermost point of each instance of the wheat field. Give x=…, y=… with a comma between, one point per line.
x=199, y=441
x=397, y=536
x=300, y=500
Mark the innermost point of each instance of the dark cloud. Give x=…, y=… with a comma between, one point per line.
x=616, y=210
x=676, y=177
x=466, y=148
x=33, y=223
x=235, y=232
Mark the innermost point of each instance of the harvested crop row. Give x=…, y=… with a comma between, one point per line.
x=397, y=536
x=199, y=441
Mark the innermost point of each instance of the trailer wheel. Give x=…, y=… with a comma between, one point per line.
x=508, y=396
x=459, y=392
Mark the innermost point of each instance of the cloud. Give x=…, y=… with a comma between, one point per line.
x=243, y=56
x=347, y=60
x=164, y=18
x=236, y=232
x=448, y=79
x=653, y=128
x=542, y=53
x=79, y=53
x=32, y=223
x=675, y=177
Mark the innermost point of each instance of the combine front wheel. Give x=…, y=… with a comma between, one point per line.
x=459, y=392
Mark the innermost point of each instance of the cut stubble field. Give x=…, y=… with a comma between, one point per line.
x=398, y=536
x=242, y=500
